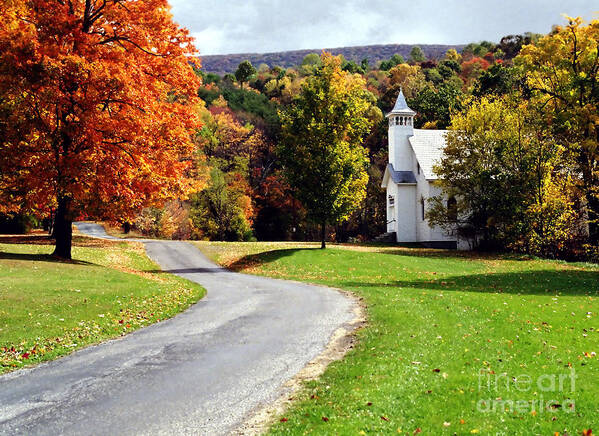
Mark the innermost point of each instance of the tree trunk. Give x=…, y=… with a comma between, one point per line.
x=63, y=229
x=323, y=234
x=593, y=211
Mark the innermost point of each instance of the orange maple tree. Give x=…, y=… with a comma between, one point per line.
x=97, y=107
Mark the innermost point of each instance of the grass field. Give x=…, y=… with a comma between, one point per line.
x=455, y=343
x=50, y=308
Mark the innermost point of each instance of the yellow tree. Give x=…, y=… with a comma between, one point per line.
x=407, y=77
x=562, y=70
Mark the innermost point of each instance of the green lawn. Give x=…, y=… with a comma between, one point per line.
x=455, y=343
x=51, y=308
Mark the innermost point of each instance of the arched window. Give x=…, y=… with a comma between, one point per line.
x=452, y=209
x=423, y=212
x=397, y=121
x=409, y=121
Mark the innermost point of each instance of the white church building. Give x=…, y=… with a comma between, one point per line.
x=410, y=180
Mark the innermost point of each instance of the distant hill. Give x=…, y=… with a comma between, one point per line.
x=374, y=53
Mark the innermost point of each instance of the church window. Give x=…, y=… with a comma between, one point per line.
x=452, y=209
x=422, y=208
x=417, y=167
x=397, y=121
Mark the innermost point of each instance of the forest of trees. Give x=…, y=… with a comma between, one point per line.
x=223, y=64
x=185, y=153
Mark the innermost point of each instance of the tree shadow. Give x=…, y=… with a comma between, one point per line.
x=535, y=282
x=265, y=257
x=416, y=250
x=34, y=239
x=40, y=258
x=214, y=270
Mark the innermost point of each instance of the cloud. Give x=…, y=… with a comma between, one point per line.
x=236, y=26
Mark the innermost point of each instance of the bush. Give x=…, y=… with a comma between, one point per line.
x=220, y=212
x=18, y=224
x=170, y=222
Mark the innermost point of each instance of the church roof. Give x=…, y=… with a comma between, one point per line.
x=401, y=106
x=398, y=177
x=428, y=146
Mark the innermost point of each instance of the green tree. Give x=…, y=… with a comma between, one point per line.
x=365, y=65
x=417, y=55
x=310, y=64
x=244, y=72
x=218, y=213
x=497, y=79
x=395, y=60
x=435, y=104
x=321, y=151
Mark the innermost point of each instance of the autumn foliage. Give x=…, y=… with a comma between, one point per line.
x=97, y=104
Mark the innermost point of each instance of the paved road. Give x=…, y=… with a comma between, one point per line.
x=201, y=372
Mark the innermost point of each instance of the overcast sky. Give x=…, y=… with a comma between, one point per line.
x=260, y=26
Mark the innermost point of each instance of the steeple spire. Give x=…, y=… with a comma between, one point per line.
x=401, y=106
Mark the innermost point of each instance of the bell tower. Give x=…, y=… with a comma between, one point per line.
x=401, y=127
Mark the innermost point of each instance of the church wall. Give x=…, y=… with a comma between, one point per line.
x=391, y=210
x=436, y=232
x=392, y=149
x=422, y=192
x=406, y=223
x=401, y=150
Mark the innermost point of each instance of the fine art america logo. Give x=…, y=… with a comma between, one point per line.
x=547, y=393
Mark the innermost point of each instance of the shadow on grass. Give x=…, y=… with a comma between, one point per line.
x=40, y=258
x=214, y=270
x=264, y=257
x=415, y=250
x=44, y=239
x=536, y=282
x=35, y=239
x=239, y=265
x=531, y=282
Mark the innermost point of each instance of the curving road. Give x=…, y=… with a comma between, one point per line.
x=201, y=372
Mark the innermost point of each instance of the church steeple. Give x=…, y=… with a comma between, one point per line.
x=401, y=128
x=401, y=115
x=401, y=105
